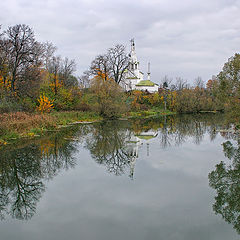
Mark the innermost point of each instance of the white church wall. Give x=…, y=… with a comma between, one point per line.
x=150, y=89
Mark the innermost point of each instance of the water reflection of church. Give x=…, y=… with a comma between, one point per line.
x=134, y=143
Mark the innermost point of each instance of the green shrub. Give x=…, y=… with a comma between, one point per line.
x=110, y=99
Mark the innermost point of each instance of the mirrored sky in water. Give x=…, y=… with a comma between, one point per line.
x=123, y=180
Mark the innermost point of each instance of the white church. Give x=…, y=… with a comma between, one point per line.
x=134, y=79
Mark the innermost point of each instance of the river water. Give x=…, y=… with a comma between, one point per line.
x=175, y=177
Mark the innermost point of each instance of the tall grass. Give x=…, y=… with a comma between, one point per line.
x=20, y=122
x=14, y=124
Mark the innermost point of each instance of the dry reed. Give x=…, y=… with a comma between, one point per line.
x=20, y=122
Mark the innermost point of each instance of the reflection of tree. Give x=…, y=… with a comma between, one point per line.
x=58, y=157
x=226, y=180
x=165, y=136
x=107, y=143
x=21, y=184
x=176, y=129
x=110, y=142
x=194, y=126
x=3, y=202
x=57, y=154
x=114, y=144
x=24, y=169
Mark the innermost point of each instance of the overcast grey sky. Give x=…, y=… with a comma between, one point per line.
x=186, y=38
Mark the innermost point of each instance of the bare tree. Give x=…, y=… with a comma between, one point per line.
x=180, y=83
x=100, y=64
x=54, y=68
x=198, y=82
x=68, y=67
x=112, y=64
x=23, y=51
x=118, y=62
x=49, y=50
x=4, y=58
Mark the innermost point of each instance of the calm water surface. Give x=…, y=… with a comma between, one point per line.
x=169, y=178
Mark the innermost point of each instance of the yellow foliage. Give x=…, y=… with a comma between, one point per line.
x=155, y=99
x=1, y=81
x=102, y=75
x=2, y=142
x=56, y=84
x=137, y=99
x=7, y=84
x=140, y=99
x=104, y=86
x=46, y=147
x=31, y=134
x=45, y=104
x=172, y=96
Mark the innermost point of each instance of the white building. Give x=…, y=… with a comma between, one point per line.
x=135, y=78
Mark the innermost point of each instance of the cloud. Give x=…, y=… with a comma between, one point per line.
x=185, y=38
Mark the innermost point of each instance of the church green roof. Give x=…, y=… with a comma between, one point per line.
x=146, y=83
x=145, y=137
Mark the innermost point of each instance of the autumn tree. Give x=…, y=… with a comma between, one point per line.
x=229, y=80
x=100, y=64
x=29, y=68
x=228, y=91
x=61, y=72
x=110, y=97
x=231, y=74
x=212, y=83
x=113, y=64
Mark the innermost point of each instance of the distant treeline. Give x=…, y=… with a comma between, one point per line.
x=221, y=93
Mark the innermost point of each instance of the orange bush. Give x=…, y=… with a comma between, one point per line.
x=45, y=104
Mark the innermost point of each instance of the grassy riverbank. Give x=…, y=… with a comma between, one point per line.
x=19, y=125
x=154, y=112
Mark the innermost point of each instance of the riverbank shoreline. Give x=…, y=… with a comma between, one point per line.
x=19, y=125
